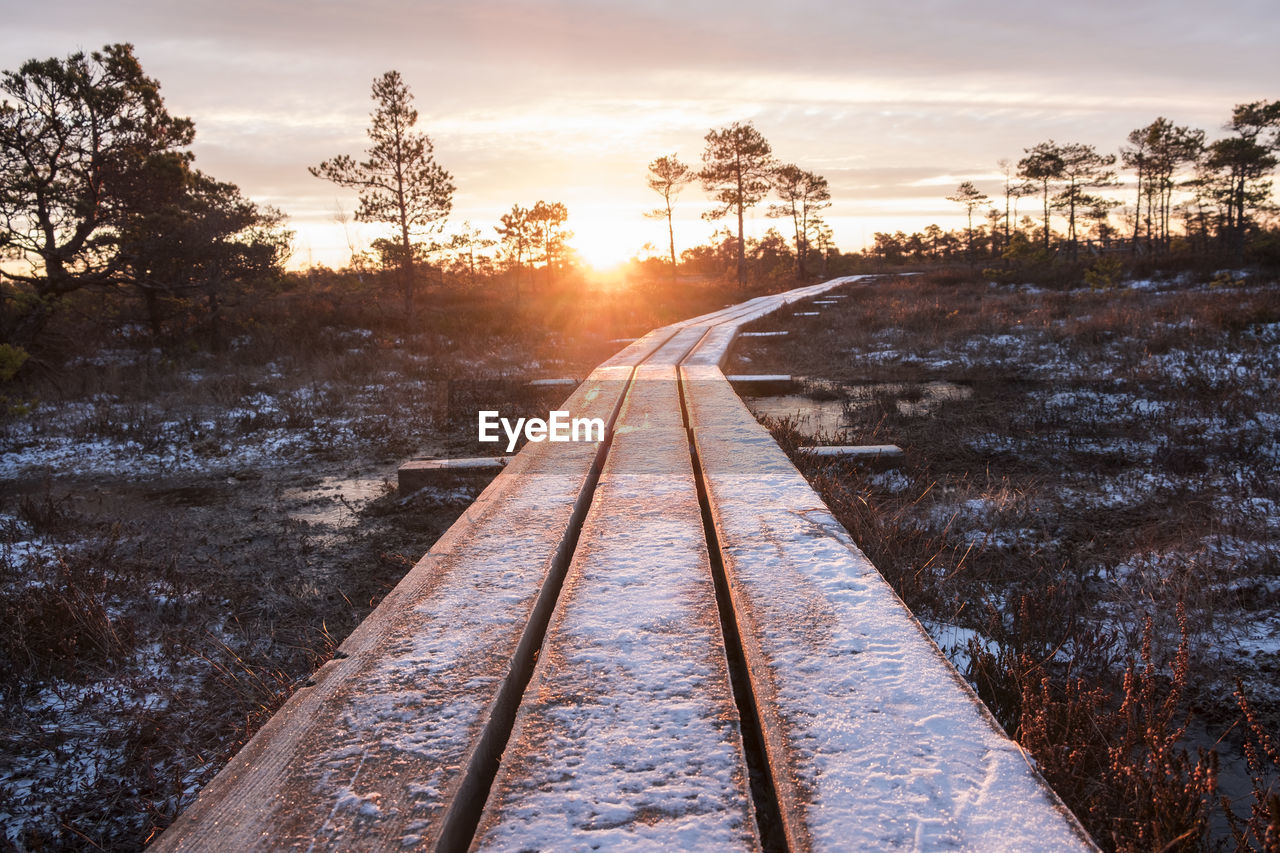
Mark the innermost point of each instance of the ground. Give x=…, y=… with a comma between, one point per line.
x=184, y=539
x=1078, y=463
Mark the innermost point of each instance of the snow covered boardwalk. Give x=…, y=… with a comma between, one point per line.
x=629, y=733
x=638, y=644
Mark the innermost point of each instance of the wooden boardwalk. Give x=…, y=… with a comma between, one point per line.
x=660, y=641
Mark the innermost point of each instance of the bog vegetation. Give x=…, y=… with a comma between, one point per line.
x=1085, y=523
x=164, y=376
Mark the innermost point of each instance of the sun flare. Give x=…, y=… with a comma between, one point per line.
x=605, y=243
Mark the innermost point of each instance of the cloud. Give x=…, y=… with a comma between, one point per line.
x=529, y=99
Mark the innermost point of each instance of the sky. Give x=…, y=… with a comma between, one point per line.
x=895, y=103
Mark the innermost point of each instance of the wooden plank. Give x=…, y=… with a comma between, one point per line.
x=375, y=752
x=873, y=740
x=876, y=457
x=629, y=734
x=445, y=473
x=763, y=384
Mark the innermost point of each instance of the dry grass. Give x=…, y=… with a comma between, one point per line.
x=153, y=612
x=1086, y=525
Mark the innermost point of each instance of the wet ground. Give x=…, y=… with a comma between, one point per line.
x=825, y=407
x=147, y=623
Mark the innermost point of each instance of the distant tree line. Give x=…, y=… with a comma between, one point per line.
x=99, y=195
x=1219, y=192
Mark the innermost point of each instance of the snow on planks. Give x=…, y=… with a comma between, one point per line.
x=377, y=750
x=628, y=733
x=873, y=740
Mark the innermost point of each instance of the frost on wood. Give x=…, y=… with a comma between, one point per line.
x=628, y=734
x=389, y=727
x=885, y=744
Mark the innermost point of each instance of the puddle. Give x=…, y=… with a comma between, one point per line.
x=913, y=398
x=825, y=405
x=809, y=415
x=331, y=502
x=190, y=496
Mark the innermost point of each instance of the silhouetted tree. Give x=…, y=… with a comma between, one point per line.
x=1043, y=165
x=821, y=238
x=890, y=248
x=667, y=176
x=971, y=197
x=187, y=234
x=546, y=223
x=515, y=232
x=1012, y=192
x=1241, y=166
x=466, y=242
x=400, y=183
x=995, y=221
x=1155, y=153
x=736, y=167
x=1098, y=213
x=771, y=257
x=76, y=135
x=933, y=240
x=1082, y=168
x=1172, y=148
x=803, y=194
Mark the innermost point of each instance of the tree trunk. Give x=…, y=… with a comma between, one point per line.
x=1137, y=213
x=795, y=221
x=671, y=235
x=1046, y=214
x=406, y=266
x=154, y=320
x=215, y=320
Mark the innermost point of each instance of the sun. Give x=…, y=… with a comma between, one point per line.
x=605, y=244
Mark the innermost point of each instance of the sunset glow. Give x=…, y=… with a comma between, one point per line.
x=603, y=244
x=893, y=105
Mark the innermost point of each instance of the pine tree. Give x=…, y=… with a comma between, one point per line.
x=667, y=176
x=736, y=167
x=803, y=194
x=400, y=182
x=1043, y=165
x=971, y=197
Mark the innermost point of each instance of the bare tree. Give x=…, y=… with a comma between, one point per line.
x=465, y=242
x=667, y=176
x=736, y=167
x=1012, y=192
x=400, y=182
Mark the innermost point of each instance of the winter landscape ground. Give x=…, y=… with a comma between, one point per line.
x=1089, y=491
x=184, y=539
